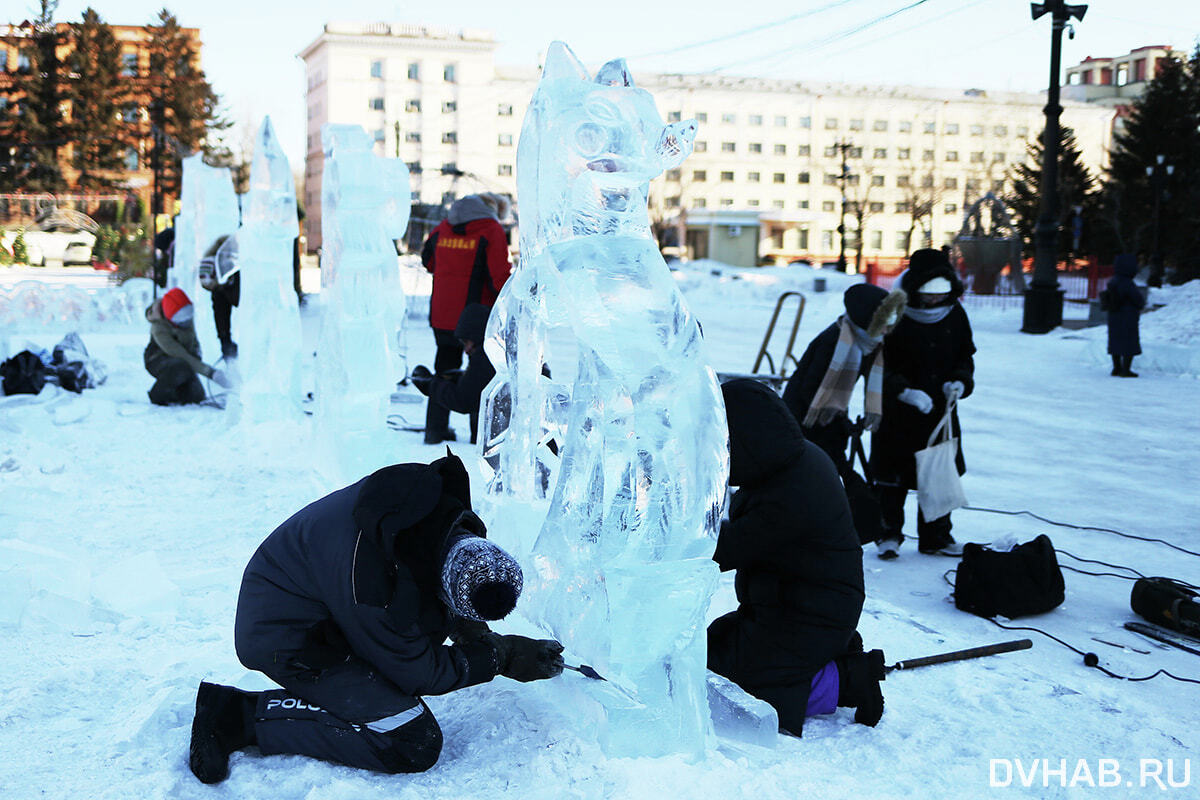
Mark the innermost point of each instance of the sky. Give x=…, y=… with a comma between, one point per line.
x=250, y=48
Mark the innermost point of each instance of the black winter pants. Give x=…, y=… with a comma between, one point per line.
x=176, y=384
x=352, y=715
x=225, y=298
x=931, y=534
x=447, y=359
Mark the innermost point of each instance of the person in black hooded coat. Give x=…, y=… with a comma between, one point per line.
x=347, y=606
x=792, y=640
x=1125, y=303
x=929, y=357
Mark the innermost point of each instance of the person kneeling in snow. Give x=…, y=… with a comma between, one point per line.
x=459, y=391
x=173, y=354
x=347, y=605
x=792, y=640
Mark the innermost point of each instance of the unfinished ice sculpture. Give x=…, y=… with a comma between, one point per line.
x=269, y=330
x=365, y=201
x=621, y=569
x=208, y=208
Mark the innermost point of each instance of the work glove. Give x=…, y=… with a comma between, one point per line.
x=917, y=399
x=953, y=389
x=221, y=379
x=524, y=659
x=421, y=378
x=468, y=630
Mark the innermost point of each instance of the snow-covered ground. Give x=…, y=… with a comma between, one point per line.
x=124, y=529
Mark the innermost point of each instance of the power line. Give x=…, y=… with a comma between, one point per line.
x=891, y=34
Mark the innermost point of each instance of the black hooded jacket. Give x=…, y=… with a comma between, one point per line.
x=791, y=539
x=356, y=574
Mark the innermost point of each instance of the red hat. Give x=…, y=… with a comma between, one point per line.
x=176, y=307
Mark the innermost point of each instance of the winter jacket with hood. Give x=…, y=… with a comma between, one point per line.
x=462, y=395
x=1125, y=309
x=468, y=256
x=356, y=574
x=924, y=356
x=791, y=539
x=168, y=341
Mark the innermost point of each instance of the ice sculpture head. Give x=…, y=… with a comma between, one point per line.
x=589, y=146
x=272, y=196
x=480, y=581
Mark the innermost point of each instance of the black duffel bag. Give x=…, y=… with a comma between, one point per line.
x=24, y=373
x=1023, y=581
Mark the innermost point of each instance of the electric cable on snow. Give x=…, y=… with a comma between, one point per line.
x=1082, y=527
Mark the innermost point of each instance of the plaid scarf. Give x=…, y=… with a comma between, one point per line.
x=837, y=385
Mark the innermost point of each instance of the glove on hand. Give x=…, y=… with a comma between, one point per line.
x=421, y=378
x=917, y=399
x=827, y=415
x=468, y=630
x=953, y=389
x=524, y=659
x=221, y=379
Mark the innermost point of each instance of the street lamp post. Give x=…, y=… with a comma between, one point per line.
x=1158, y=173
x=1044, y=298
x=844, y=146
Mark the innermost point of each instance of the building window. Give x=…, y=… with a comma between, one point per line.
x=781, y=122
x=903, y=153
x=973, y=184
x=856, y=124
x=831, y=151
x=450, y=168
x=504, y=140
x=951, y=128
x=879, y=125
x=904, y=181
x=727, y=177
x=699, y=175
x=927, y=155
x=129, y=63
x=726, y=202
x=905, y=126
x=1022, y=132
x=902, y=240
x=781, y=149
x=450, y=73
x=804, y=150
x=728, y=119
x=753, y=177
x=376, y=103
x=976, y=158
x=413, y=106
x=827, y=241
x=831, y=124
x=3, y=59
x=674, y=116
x=412, y=136
x=673, y=202
x=950, y=208
x=377, y=69
x=414, y=71
x=854, y=152
x=131, y=159
x=378, y=135
x=977, y=130
x=876, y=240
x=930, y=127
x=673, y=174
x=877, y=180
x=880, y=152
x=414, y=167
x=756, y=119
x=806, y=122
x=701, y=116
x=728, y=147
x=504, y=110
x=803, y=206
x=876, y=207
x=951, y=155
x=700, y=147
x=778, y=177
x=998, y=158
x=129, y=113
x=1000, y=130
x=449, y=107
x=998, y=185
x=752, y=203
x=827, y=205
x=777, y=204
x=831, y=179
x=504, y=169
x=755, y=147
x=803, y=177
x=699, y=202
x=927, y=181
x=450, y=137
x=951, y=183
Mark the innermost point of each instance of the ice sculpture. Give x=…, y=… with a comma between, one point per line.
x=208, y=208
x=621, y=571
x=365, y=202
x=269, y=328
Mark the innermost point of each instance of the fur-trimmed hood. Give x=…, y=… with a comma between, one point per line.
x=872, y=309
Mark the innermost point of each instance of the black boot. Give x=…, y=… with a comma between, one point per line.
x=859, y=675
x=1116, y=370
x=224, y=723
x=1127, y=367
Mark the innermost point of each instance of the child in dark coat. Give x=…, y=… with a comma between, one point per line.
x=1124, y=309
x=792, y=640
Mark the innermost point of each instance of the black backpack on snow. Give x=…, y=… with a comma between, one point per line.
x=24, y=373
x=1025, y=580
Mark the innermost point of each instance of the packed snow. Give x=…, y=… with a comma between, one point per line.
x=124, y=529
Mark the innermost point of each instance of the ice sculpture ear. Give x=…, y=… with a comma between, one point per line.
x=614, y=73
x=675, y=144
x=561, y=62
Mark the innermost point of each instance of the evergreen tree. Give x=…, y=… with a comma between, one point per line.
x=183, y=105
x=1162, y=122
x=1076, y=187
x=97, y=95
x=34, y=129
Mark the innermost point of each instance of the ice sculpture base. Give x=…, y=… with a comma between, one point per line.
x=740, y=716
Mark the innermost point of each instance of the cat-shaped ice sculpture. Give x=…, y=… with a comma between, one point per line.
x=621, y=570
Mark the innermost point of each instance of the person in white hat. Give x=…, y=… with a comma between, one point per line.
x=929, y=362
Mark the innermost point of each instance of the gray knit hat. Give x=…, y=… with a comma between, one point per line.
x=479, y=580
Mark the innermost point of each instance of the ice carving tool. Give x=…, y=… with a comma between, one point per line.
x=586, y=671
x=962, y=655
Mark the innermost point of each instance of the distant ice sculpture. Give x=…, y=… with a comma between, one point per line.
x=365, y=202
x=208, y=208
x=621, y=571
x=269, y=330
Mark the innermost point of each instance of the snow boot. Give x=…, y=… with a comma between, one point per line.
x=888, y=549
x=224, y=723
x=859, y=675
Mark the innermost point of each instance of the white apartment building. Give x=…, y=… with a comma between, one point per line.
x=914, y=157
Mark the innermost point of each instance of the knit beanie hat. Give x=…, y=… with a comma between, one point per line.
x=861, y=300
x=479, y=580
x=177, y=308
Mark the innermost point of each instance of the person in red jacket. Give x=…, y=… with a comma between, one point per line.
x=468, y=256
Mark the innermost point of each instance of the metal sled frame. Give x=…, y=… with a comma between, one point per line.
x=775, y=377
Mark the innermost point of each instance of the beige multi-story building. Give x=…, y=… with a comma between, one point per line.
x=1117, y=81
x=769, y=151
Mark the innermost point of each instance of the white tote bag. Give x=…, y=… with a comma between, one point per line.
x=939, y=487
